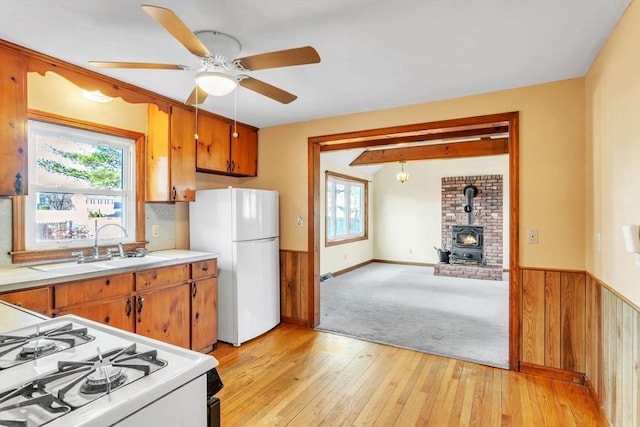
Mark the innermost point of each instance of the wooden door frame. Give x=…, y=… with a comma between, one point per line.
x=383, y=136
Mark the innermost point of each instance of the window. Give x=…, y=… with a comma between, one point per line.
x=346, y=209
x=79, y=180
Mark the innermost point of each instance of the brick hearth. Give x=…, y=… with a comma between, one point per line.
x=488, y=212
x=469, y=271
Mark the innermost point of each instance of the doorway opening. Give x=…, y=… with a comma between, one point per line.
x=464, y=137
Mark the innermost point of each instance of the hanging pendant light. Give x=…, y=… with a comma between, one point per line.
x=402, y=176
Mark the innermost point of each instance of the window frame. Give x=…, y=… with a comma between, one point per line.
x=329, y=175
x=21, y=253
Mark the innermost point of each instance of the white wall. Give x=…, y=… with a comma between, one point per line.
x=408, y=216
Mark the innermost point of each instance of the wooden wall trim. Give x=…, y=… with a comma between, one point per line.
x=558, y=374
x=613, y=291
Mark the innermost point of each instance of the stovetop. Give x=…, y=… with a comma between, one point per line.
x=78, y=372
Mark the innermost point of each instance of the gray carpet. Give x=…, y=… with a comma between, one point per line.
x=409, y=307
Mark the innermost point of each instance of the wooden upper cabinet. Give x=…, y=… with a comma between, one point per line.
x=171, y=155
x=13, y=123
x=244, y=151
x=220, y=152
x=214, y=150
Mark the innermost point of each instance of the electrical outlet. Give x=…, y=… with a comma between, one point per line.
x=532, y=236
x=155, y=230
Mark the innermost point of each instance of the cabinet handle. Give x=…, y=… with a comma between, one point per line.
x=228, y=165
x=129, y=307
x=107, y=282
x=18, y=184
x=174, y=193
x=139, y=305
x=107, y=319
x=205, y=268
x=18, y=304
x=195, y=290
x=233, y=165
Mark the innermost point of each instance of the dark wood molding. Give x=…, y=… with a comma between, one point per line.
x=557, y=374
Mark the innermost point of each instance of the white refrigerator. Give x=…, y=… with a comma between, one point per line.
x=242, y=225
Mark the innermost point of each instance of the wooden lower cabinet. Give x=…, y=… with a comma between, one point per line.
x=204, y=314
x=38, y=300
x=117, y=313
x=175, y=304
x=164, y=314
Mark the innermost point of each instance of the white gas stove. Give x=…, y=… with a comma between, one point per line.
x=69, y=371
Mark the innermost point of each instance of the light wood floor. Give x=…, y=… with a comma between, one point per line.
x=294, y=376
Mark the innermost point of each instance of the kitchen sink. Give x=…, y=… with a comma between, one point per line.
x=90, y=267
x=130, y=262
x=70, y=268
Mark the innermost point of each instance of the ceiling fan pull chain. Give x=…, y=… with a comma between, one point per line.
x=195, y=135
x=235, y=113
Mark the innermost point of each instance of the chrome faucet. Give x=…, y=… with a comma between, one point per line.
x=96, y=252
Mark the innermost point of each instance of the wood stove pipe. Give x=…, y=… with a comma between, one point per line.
x=470, y=192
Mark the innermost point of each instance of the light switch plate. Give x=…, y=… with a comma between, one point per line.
x=532, y=236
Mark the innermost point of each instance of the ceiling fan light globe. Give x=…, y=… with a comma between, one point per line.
x=215, y=83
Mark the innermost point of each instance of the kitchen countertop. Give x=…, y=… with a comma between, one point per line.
x=19, y=278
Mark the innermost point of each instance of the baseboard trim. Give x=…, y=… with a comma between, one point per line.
x=293, y=321
x=419, y=264
x=353, y=267
x=555, y=373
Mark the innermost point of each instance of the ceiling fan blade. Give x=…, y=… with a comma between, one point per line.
x=170, y=21
x=197, y=96
x=267, y=90
x=281, y=58
x=145, y=65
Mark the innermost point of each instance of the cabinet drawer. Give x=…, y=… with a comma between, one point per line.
x=91, y=290
x=117, y=313
x=204, y=268
x=38, y=300
x=162, y=277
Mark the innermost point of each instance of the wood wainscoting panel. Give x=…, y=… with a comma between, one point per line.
x=553, y=331
x=533, y=317
x=613, y=355
x=552, y=322
x=294, y=288
x=572, y=328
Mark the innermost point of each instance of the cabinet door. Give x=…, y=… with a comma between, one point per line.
x=171, y=155
x=244, y=152
x=204, y=314
x=164, y=315
x=117, y=313
x=213, y=152
x=38, y=300
x=158, y=184
x=183, y=155
x=13, y=123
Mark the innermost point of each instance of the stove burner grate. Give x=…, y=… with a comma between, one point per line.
x=78, y=382
x=27, y=347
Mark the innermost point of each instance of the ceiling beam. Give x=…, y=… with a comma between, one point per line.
x=440, y=134
x=486, y=147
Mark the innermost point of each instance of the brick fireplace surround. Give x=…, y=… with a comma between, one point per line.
x=487, y=211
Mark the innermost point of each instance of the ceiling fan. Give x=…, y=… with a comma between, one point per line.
x=221, y=69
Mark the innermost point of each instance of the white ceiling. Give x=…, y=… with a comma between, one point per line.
x=375, y=54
